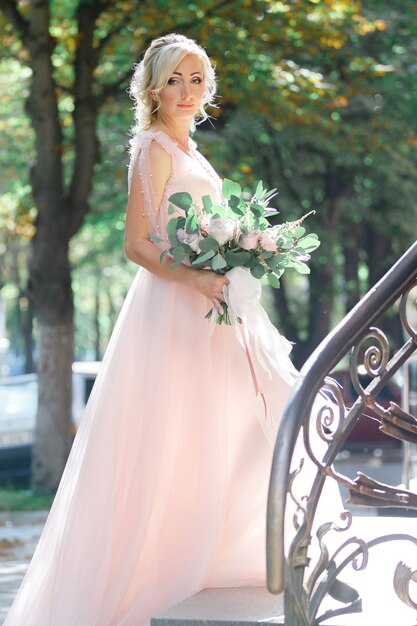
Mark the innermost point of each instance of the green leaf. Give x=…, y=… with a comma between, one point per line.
x=155, y=238
x=172, y=226
x=258, y=271
x=178, y=253
x=236, y=209
x=207, y=203
x=208, y=243
x=181, y=199
x=163, y=253
x=252, y=262
x=218, y=263
x=229, y=188
x=309, y=242
x=299, y=231
x=256, y=208
x=274, y=260
x=191, y=223
x=236, y=259
x=202, y=258
x=300, y=267
x=259, y=193
x=273, y=280
x=171, y=209
x=219, y=210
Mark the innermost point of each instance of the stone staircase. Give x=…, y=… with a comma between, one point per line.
x=252, y=606
x=246, y=606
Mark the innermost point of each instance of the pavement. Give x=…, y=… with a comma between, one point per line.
x=19, y=534
x=20, y=531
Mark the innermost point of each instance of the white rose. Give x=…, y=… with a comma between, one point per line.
x=192, y=240
x=221, y=229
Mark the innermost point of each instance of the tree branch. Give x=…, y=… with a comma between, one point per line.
x=111, y=89
x=10, y=10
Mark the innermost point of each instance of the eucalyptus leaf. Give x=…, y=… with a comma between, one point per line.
x=256, y=208
x=301, y=267
x=218, y=263
x=309, y=243
x=155, y=238
x=178, y=253
x=171, y=209
x=236, y=209
x=258, y=271
x=230, y=188
x=191, y=223
x=208, y=243
x=219, y=210
x=251, y=262
x=173, y=239
x=237, y=259
x=207, y=203
x=202, y=258
x=273, y=280
x=234, y=201
x=172, y=226
x=274, y=260
x=181, y=199
x=299, y=231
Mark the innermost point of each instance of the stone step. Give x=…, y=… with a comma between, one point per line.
x=250, y=606
x=243, y=606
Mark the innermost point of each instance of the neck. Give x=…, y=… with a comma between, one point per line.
x=178, y=130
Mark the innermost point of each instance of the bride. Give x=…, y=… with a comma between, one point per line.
x=165, y=489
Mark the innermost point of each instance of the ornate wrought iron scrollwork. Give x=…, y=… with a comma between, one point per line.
x=323, y=435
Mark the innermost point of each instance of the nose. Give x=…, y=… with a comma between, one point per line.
x=185, y=91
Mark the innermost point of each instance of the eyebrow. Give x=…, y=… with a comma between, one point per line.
x=192, y=74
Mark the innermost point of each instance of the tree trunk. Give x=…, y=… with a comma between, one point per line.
x=351, y=257
x=28, y=339
x=97, y=321
x=53, y=428
x=59, y=215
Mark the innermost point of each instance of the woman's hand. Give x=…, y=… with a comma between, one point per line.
x=211, y=285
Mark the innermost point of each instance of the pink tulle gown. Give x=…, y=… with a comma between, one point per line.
x=164, y=492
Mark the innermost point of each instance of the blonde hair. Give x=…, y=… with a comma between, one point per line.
x=151, y=75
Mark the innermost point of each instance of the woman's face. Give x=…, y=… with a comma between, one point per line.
x=181, y=97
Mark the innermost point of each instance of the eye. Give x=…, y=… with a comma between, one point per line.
x=172, y=81
x=197, y=80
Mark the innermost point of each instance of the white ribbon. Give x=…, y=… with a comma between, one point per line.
x=242, y=295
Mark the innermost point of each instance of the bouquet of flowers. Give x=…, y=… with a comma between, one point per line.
x=237, y=233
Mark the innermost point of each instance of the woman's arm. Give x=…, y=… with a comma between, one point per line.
x=138, y=245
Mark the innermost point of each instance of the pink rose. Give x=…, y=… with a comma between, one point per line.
x=250, y=241
x=181, y=235
x=267, y=241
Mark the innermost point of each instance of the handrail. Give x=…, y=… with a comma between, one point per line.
x=396, y=283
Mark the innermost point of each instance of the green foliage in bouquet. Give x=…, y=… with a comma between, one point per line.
x=237, y=233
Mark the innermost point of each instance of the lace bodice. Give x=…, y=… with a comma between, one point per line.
x=191, y=172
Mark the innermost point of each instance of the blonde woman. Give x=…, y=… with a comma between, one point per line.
x=165, y=489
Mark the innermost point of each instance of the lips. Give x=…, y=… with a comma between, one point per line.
x=186, y=106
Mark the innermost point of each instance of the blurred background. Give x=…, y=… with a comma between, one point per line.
x=317, y=98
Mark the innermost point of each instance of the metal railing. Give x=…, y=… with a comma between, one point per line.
x=305, y=585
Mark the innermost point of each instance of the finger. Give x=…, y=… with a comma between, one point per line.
x=218, y=306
